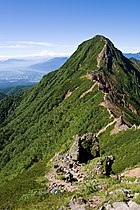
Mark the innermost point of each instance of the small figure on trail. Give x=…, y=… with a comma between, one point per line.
x=69, y=176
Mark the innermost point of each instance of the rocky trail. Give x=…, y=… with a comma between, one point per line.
x=83, y=149
x=57, y=178
x=72, y=161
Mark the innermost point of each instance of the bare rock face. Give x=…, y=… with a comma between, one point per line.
x=85, y=148
x=76, y=149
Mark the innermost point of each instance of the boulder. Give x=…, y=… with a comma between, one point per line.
x=85, y=148
x=120, y=206
x=133, y=206
x=76, y=149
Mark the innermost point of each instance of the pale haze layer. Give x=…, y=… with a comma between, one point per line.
x=31, y=28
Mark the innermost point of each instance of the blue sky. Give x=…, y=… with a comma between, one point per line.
x=31, y=28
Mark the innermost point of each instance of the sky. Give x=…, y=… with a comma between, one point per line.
x=32, y=28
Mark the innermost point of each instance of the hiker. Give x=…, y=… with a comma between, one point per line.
x=69, y=176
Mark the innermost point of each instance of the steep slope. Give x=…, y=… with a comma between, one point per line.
x=43, y=115
x=72, y=100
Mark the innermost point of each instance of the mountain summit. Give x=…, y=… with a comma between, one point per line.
x=96, y=91
x=116, y=75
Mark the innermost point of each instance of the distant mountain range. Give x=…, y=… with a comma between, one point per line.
x=17, y=72
x=51, y=64
x=26, y=72
x=133, y=55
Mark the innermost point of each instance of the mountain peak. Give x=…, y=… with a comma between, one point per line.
x=115, y=75
x=95, y=53
x=108, y=55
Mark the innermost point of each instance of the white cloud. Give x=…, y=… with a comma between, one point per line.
x=16, y=46
x=34, y=43
x=41, y=54
x=24, y=44
x=4, y=57
x=33, y=49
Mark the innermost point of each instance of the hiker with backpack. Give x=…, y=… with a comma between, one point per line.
x=69, y=177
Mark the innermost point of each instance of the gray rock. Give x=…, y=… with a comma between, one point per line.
x=75, y=150
x=75, y=206
x=85, y=148
x=120, y=206
x=133, y=206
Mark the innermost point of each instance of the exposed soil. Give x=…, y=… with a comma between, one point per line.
x=133, y=173
x=68, y=94
x=88, y=91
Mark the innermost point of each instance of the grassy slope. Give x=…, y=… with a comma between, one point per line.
x=124, y=146
x=44, y=122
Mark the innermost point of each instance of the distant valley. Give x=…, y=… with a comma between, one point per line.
x=15, y=72
x=23, y=72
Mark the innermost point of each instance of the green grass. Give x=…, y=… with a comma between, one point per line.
x=124, y=146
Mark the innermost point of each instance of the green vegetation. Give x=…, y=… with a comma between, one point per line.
x=2, y=95
x=124, y=146
x=14, y=90
x=37, y=123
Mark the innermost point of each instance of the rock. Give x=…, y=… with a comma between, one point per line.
x=85, y=148
x=120, y=126
x=75, y=150
x=109, y=162
x=133, y=206
x=107, y=206
x=73, y=204
x=128, y=193
x=120, y=206
x=102, y=208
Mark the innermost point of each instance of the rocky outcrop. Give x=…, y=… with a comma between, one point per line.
x=104, y=56
x=119, y=126
x=76, y=149
x=110, y=83
x=85, y=148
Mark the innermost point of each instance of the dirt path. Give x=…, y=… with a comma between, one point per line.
x=133, y=173
x=61, y=184
x=89, y=90
x=68, y=94
x=104, y=128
